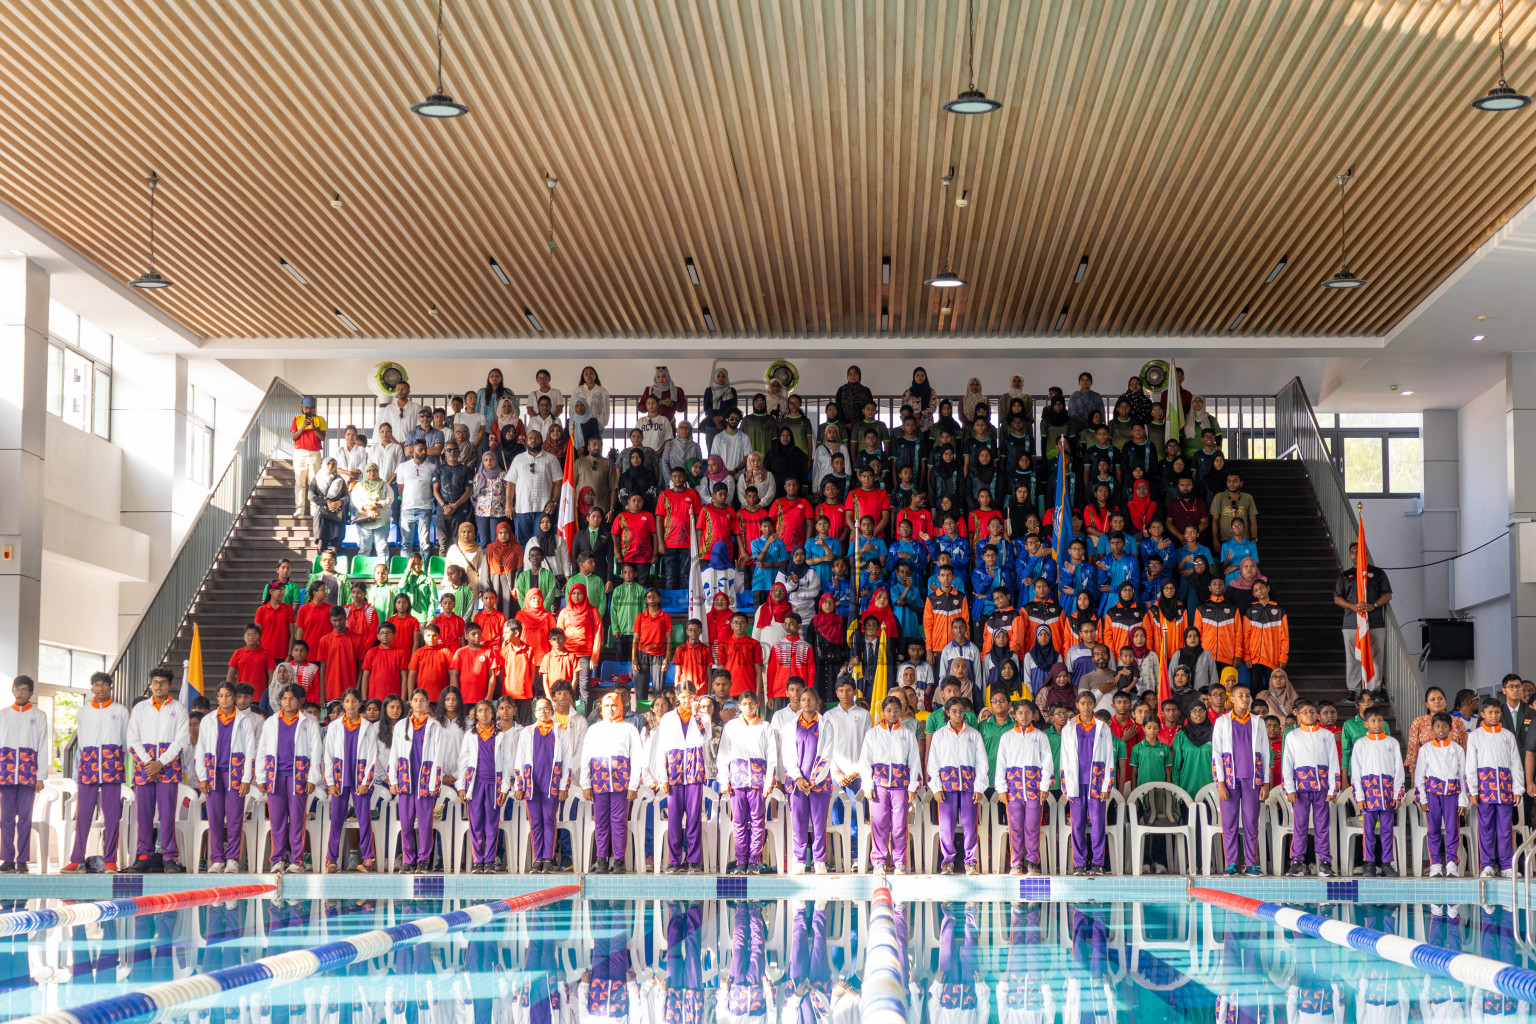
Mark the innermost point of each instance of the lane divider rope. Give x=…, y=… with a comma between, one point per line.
x=23, y=921
x=1467, y=968
x=884, y=996
x=293, y=965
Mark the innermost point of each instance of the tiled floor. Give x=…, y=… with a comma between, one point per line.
x=908, y=888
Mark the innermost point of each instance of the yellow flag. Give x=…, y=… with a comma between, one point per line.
x=194, y=687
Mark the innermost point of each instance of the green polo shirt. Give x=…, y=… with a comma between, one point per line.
x=1151, y=761
x=992, y=737
x=937, y=720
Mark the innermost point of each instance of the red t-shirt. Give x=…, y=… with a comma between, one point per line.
x=675, y=511
x=253, y=665
x=651, y=632
x=873, y=503
x=921, y=520
x=314, y=622
x=276, y=634
x=364, y=622
x=558, y=666
x=716, y=525
x=491, y=624
x=431, y=667
x=692, y=661
x=478, y=668
x=634, y=536
x=406, y=627
x=450, y=631
x=740, y=655
x=339, y=653
x=385, y=666
x=976, y=522
x=793, y=516
x=309, y=439
x=837, y=515
x=751, y=525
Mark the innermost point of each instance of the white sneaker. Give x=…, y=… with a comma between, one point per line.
x=821, y=869
x=1017, y=871
x=972, y=869
x=1509, y=873
x=900, y=869
x=1452, y=870
x=1434, y=871
x=1488, y=873
x=796, y=867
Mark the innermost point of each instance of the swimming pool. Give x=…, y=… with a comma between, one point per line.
x=801, y=960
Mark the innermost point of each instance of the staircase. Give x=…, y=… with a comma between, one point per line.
x=265, y=533
x=1297, y=555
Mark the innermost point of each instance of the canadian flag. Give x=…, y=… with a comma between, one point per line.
x=565, y=517
x=1363, y=621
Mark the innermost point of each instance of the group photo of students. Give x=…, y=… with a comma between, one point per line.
x=785, y=627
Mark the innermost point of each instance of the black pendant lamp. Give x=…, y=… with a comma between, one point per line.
x=1343, y=279
x=946, y=278
x=439, y=104
x=1501, y=96
x=151, y=278
x=971, y=100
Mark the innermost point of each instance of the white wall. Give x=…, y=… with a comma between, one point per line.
x=1480, y=581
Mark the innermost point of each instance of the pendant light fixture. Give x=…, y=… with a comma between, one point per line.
x=1343, y=279
x=1501, y=96
x=972, y=100
x=946, y=278
x=439, y=104
x=151, y=278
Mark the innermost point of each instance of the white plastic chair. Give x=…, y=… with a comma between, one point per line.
x=442, y=829
x=1349, y=826
x=1418, y=840
x=1114, y=832
x=191, y=827
x=47, y=826
x=999, y=850
x=1180, y=857
x=514, y=831
x=841, y=855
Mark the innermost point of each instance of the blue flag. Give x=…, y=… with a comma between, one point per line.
x=1061, y=525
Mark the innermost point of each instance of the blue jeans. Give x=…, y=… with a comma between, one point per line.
x=525, y=525
x=374, y=540
x=415, y=522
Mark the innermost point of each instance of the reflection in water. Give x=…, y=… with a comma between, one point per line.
x=796, y=962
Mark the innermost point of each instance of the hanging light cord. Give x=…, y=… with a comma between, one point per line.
x=551, y=181
x=439, y=46
x=1343, y=224
x=944, y=184
x=970, y=21
x=154, y=182
x=1502, y=82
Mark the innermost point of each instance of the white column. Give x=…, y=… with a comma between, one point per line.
x=1520, y=450
x=23, y=428
x=1441, y=469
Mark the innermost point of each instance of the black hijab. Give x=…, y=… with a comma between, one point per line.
x=922, y=391
x=1199, y=733
x=786, y=460
x=1188, y=657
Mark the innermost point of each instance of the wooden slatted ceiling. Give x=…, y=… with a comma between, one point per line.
x=786, y=145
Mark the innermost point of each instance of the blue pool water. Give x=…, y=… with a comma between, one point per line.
x=795, y=961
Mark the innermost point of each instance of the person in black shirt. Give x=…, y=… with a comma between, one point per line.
x=1140, y=453
x=1378, y=594
x=910, y=449
x=454, y=495
x=1139, y=401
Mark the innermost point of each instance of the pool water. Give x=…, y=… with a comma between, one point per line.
x=681, y=962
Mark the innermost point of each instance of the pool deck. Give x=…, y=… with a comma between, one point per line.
x=905, y=888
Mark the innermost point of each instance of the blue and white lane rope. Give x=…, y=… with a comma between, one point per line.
x=1477, y=971
x=884, y=996
x=23, y=921
x=294, y=965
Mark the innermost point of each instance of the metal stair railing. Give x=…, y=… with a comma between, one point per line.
x=193, y=562
x=1298, y=436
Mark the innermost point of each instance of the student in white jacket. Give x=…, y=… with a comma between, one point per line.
x=543, y=778
x=1087, y=775
x=745, y=766
x=291, y=752
x=1376, y=770
x=890, y=766
x=1495, y=782
x=1309, y=771
x=157, y=737
x=677, y=770
x=1437, y=775
x=26, y=757
x=612, y=755
x=224, y=765
x=484, y=778
x=1240, y=765
x=1025, y=768
x=101, y=744
x=351, y=755
x=957, y=774
x=417, y=757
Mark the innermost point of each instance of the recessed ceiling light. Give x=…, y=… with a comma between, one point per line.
x=885, y=319
x=1237, y=321
x=1477, y=337
x=1082, y=271
x=501, y=275
x=17, y=252
x=693, y=271
x=1061, y=321
x=346, y=321
x=1405, y=394
x=885, y=270
x=709, y=321
x=1274, y=275
x=533, y=320
x=291, y=271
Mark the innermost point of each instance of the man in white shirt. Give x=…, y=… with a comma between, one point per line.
x=414, y=480
x=386, y=453
x=732, y=444
x=531, y=481
x=401, y=413
x=351, y=457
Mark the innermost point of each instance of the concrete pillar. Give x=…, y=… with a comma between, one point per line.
x=149, y=424
x=1441, y=469
x=1520, y=449
x=23, y=431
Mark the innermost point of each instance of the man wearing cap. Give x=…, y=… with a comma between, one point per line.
x=308, y=433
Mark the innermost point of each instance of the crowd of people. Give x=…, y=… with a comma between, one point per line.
x=881, y=617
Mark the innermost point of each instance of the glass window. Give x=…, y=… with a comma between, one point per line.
x=82, y=664
x=1362, y=465
x=53, y=665
x=56, y=380
x=1380, y=419
x=203, y=406
x=101, y=414
x=62, y=322
x=1405, y=464
x=77, y=390
x=96, y=342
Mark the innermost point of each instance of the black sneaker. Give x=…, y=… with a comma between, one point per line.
x=1368, y=870
x=23, y=868
x=1297, y=870
x=173, y=867
x=615, y=865
x=600, y=867
x=947, y=869
x=1325, y=869
x=537, y=869
x=138, y=867
x=1387, y=871
x=1081, y=871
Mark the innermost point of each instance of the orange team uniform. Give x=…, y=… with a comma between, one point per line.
x=1049, y=615
x=1072, y=628
x=520, y=668
x=491, y=623
x=1266, y=635
x=364, y=622
x=1221, y=630
x=276, y=629
x=692, y=661
x=314, y=621
x=431, y=667
x=558, y=666
x=450, y=630
x=583, y=629
x=406, y=628
x=1166, y=635
x=740, y=655
x=1116, y=626
x=385, y=667
x=339, y=653
x=651, y=632
x=939, y=614
x=478, y=668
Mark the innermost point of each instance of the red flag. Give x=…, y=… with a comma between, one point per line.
x=1363, y=622
x=1164, y=684
x=565, y=518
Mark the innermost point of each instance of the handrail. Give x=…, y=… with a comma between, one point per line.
x=1297, y=435
x=199, y=549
